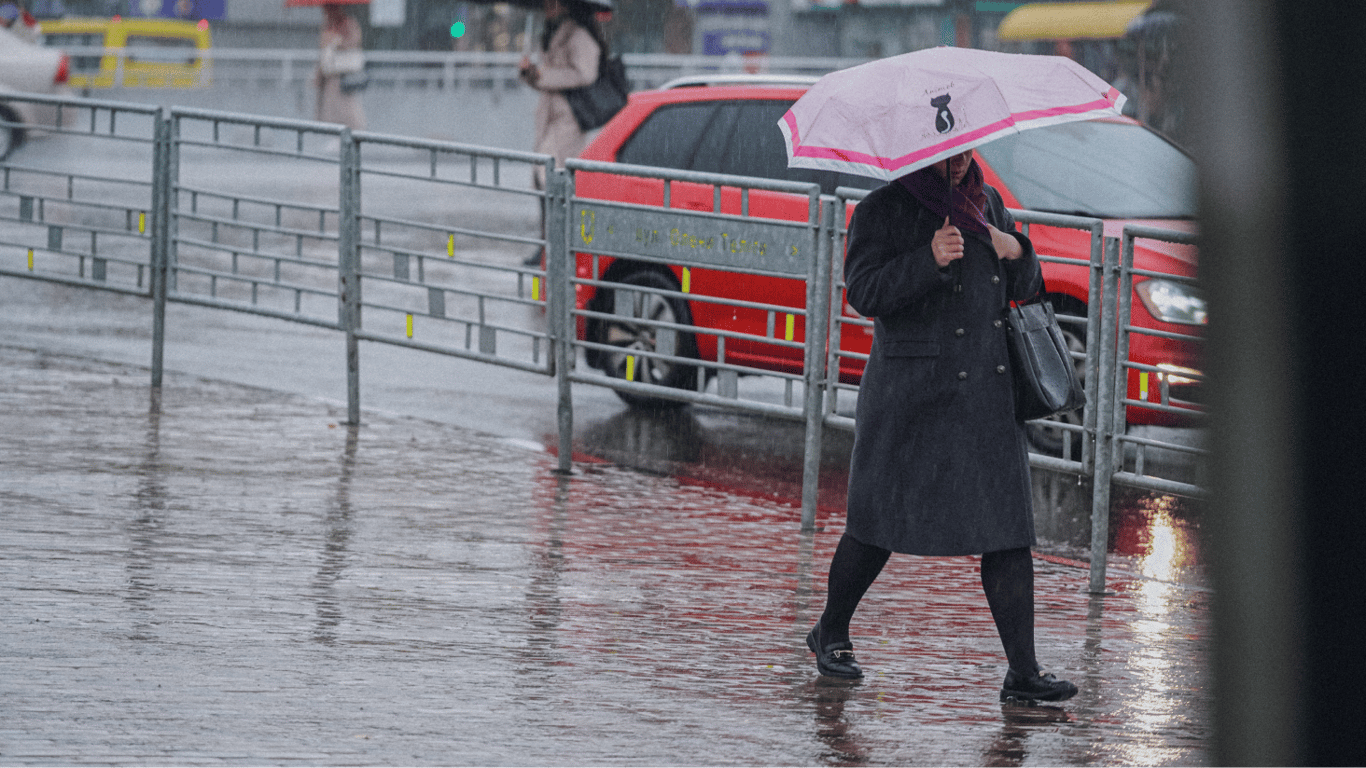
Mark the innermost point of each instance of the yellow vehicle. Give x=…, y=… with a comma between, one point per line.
x=138, y=52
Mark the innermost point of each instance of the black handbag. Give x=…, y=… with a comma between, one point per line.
x=1046, y=382
x=595, y=104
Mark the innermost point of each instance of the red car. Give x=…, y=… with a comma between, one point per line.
x=1117, y=170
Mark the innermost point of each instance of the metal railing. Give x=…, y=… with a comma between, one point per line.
x=235, y=246
x=70, y=225
x=448, y=70
x=468, y=97
x=427, y=279
x=393, y=234
x=1154, y=385
x=678, y=260
x=838, y=358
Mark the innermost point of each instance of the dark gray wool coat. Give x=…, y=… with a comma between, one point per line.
x=940, y=464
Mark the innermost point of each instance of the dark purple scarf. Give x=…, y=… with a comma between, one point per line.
x=969, y=199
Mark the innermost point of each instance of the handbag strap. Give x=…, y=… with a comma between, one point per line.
x=1037, y=298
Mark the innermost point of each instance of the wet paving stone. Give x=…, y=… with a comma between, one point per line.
x=236, y=577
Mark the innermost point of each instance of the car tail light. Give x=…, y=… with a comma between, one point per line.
x=63, y=70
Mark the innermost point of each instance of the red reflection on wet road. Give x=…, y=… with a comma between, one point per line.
x=1159, y=535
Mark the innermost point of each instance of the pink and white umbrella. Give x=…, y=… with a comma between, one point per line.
x=892, y=116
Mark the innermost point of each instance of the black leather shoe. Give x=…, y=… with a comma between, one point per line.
x=1043, y=686
x=834, y=659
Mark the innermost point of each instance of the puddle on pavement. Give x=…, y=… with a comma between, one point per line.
x=1153, y=535
x=1157, y=534
x=268, y=587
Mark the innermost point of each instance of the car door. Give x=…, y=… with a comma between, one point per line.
x=707, y=136
x=743, y=139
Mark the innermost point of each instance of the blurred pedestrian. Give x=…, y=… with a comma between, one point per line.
x=572, y=47
x=340, y=55
x=940, y=464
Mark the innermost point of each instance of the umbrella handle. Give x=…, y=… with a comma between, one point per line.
x=957, y=265
x=948, y=176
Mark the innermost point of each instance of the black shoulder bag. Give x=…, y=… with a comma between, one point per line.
x=595, y=104
x=1046, y=382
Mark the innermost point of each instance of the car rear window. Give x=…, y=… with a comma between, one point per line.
x=79, y=64
x=162, y=50
x=739, y=137
x=669, y=137
x=1096, y=168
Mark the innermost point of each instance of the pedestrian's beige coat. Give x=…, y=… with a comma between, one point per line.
x=333, y=105
x=570, y=61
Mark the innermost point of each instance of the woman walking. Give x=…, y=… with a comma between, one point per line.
x=940, y=464
x=572, y=48
x=340, y=45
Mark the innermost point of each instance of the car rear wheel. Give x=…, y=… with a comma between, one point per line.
x=10, y=133
x=1048, y=436
x=631, y=337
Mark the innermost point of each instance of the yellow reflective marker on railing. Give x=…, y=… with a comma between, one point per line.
x=142, y=223
x=410, y=326
x=30, y=259
x=630, y=367
x=588, y=221
x=687, y=280
x=791, y=325
x=535, y=289
x=450, y=246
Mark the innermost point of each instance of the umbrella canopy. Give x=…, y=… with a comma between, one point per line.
x=1071, y=21
x=896, y=115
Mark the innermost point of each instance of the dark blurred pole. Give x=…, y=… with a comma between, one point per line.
x=1278, y=101
x=964, y=14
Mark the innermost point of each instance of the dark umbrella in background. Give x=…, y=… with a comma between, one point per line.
x=604, y=7
x=1155, y=35
x=531, y=7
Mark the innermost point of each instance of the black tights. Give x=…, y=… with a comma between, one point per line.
x=1007, y=580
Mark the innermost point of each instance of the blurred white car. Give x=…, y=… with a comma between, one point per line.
x=27, y=68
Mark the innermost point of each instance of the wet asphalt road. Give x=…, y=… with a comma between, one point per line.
x=236, y=577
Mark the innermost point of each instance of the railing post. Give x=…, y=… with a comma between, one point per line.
x=560, y=302
x=1094, y=330
x=161, y=234
x=348, y=267
x=1125, y=292
x=173, y=204
x=1107, y=364
x=813, y=365
x=835, y=327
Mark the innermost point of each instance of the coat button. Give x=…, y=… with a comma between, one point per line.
x=995, y=279
x=1000, y=369
x=959, y=332
x=996, y=323
x=962, y=375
